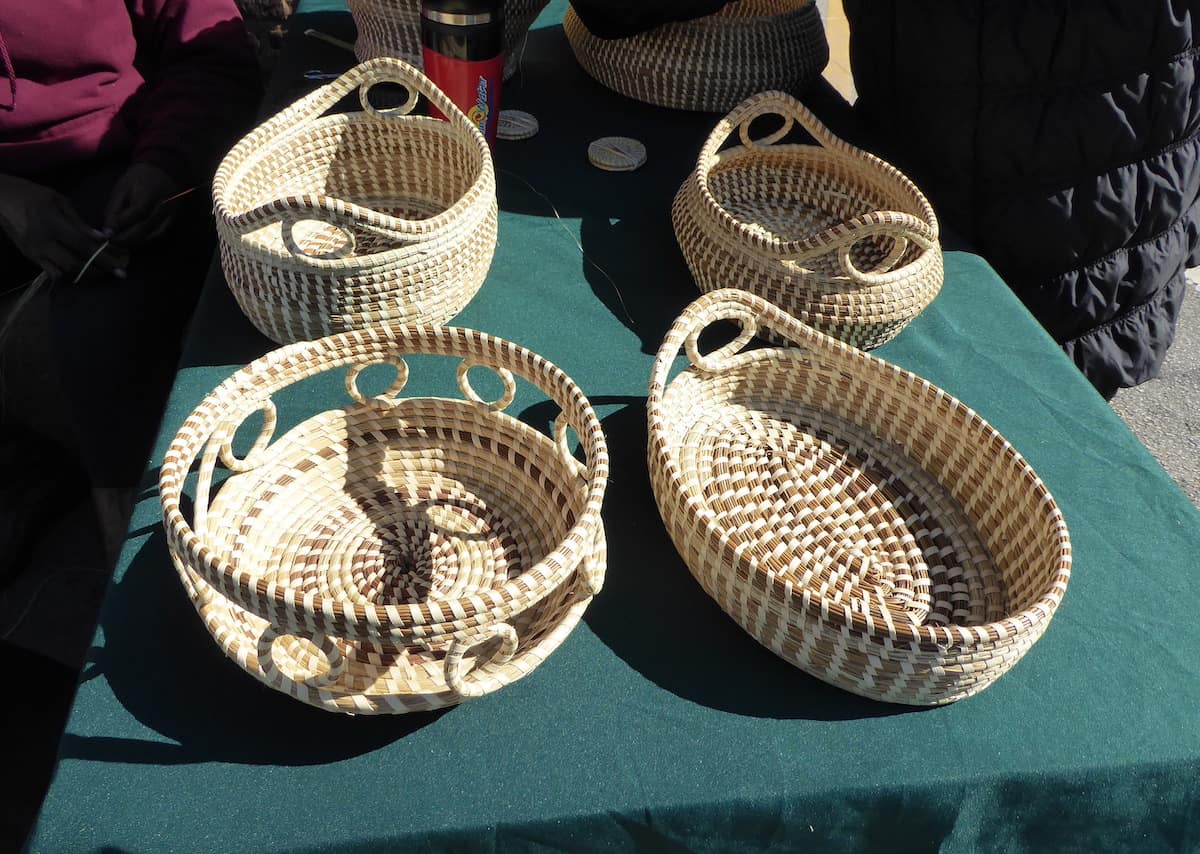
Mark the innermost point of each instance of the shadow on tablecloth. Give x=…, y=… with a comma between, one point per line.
x=165, y=669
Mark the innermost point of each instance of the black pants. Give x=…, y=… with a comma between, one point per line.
x=116, y=342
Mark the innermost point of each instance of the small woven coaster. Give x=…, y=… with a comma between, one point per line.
x=516, y=124
x=617, y=153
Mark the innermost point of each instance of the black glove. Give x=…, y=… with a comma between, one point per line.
x=45, y=227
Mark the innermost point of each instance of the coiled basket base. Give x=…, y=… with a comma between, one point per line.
x=817, y=477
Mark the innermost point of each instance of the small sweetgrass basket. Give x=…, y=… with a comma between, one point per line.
x=397, y=553
x=348, y=220
x=830, y=233
x=856, y=520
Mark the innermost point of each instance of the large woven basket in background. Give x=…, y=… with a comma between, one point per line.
x=856, y=520
x=398, y=553
x=335, y=222
x=709, y=63
x=829, y=233
x=393, y=28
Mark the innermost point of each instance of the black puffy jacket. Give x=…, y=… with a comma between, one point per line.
x=1059, y=138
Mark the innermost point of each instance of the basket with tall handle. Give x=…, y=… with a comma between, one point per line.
x=331, y=222
x=392, y=554
x=856, y=520
x=831, y=234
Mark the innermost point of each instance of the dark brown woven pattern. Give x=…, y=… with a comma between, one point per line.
x=709, y=63
x=336, y=222
x=856, y=520
x=394, y=554
x=831, y=234
x=393, y=28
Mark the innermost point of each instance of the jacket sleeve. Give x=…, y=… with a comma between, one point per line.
x=202, y=84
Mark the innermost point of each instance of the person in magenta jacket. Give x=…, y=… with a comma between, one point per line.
x=113, y=117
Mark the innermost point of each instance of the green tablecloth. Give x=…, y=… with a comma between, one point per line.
x=659, y=724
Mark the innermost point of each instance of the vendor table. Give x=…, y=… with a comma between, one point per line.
x=659, y=724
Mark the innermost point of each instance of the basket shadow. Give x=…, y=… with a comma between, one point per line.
x=658, y=619
x=167, y=672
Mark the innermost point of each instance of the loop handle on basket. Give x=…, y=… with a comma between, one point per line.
x=592, y=571
x=773, y=103
x=384, y=69
x=753, y=312
x=220, y=446
x=506, y=376
x=561, y=424
x=348, y=217
x=279, y=667
x=473, y=683
x=389, y=397
x=343, y=214
x=902, y=228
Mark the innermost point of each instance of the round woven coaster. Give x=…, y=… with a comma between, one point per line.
x=617, y=153
x=516, y=124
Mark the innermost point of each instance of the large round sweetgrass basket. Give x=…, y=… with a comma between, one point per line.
x=853, y=518
x=393, y=28
x=342, y=221
x=396, y=553
x=713, y=62
x=831, y=234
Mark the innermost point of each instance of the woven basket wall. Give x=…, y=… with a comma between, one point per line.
x=709, y=63
x=335, y=222
x=856, y=520
x=829, y=233
x=393, y=554
x=393, y=28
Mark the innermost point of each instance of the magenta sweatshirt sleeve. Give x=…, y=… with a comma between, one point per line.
x=171, y=82
x=202, y=83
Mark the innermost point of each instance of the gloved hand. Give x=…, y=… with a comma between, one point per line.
x=45, y=227
x=132, y=215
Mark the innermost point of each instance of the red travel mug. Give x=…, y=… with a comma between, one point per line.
x=462, y=42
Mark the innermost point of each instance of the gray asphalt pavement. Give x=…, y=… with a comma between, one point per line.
x=1165, y=412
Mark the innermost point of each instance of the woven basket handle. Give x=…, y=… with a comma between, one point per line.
x=345, y=215
x=474, y=682
x=903, y=228
x=752, y=313
x=771, y=103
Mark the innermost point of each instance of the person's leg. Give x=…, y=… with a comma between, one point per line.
x=40, y=474
x=118, y=342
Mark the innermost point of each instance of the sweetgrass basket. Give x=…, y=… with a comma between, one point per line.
x=393, y=554
x=831, y=234
x=393, y=28
x=335, y=222
x=709, y=63
x=856, y=520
